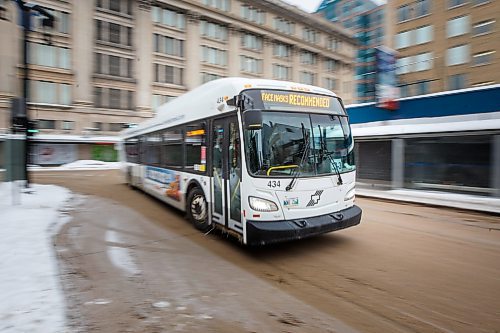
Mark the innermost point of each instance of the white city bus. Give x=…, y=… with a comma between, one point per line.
x=263, y=160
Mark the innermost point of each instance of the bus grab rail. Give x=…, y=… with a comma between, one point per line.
x=281, y=167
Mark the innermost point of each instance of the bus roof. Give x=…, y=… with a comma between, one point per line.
x=205, y=101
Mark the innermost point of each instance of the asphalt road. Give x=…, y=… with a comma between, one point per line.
x=132, y=264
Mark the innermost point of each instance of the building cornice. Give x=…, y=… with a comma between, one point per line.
x=315, y=21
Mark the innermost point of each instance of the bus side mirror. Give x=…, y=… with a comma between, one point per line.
x=252, y=120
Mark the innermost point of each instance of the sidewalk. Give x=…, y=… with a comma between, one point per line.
x=454, y=200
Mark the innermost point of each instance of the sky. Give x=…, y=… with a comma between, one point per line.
x=311, y=5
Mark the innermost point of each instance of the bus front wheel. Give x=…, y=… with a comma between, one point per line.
x=197, y=209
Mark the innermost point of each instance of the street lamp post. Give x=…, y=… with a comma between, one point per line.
x=48, y=21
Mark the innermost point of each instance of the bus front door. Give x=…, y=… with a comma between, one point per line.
x=226, y=173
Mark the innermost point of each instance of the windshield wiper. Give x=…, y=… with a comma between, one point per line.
x=296, y=172
x=325, y=152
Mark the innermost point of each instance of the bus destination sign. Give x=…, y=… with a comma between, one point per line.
x=292, y=100
x=295, y=99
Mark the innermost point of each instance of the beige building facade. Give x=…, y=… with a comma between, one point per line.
x=445, y=45
x=112, y=62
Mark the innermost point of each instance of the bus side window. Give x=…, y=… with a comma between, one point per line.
x=195, y=147
x=172, y=146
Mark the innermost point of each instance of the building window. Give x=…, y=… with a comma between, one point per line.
x=484, y=27
x=168, y=45
x=456, y=3
x=423, y=61
x=50, y=92
x=115, y=127
x=112, y=98
x=250, y=41
x=458, y=81
x=403, y=13
x=206, y=77
x=168, y=17
x=307, y=78
x=113, y=33
x=253, y=14
x=251, y=65
x=455, y=160
x=168, y=74
x=158, y=100
x=224, y=5
x=282, y=50
x=113, y=65
x=281, y=72
x=403, y=39
x=422, y=87
x=310, y=35
x=213, y=30
x=124, y=7
x=67, y=125
x=332, y=44
x=46, y=124
x=50, y=56
x=214, y=56
x=284, y=26
x=308, y=58
x=457, y=55
x=404, y=65
x=331, y=84
x=483, y=58
x=458, y=26
x=62, y=24
x=405, y=91
x=422, y=8
x=331, y=65
x=423, y=34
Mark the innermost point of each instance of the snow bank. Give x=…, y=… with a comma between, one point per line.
x=81, y=165
x=32, y=299
x=91, y=164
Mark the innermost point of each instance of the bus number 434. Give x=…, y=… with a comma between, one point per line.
x=273, y=183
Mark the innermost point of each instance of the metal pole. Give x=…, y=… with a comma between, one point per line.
x=26, y=28
x=398, y=163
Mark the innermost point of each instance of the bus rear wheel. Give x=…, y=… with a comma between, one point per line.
x=197, y=209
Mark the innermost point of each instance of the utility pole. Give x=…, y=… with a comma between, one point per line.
x=48, y=22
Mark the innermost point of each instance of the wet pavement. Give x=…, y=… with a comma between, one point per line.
x=132, y=264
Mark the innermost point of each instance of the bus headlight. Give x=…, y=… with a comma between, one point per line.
x=262, y=205
x=350, y=194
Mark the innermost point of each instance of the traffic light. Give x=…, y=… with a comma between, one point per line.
x=32, y=128
x=18, y=115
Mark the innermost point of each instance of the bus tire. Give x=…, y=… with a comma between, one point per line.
x=197, y=209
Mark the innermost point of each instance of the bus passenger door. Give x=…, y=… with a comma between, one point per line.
x=226, y=173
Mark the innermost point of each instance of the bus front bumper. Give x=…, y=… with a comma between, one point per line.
x=266, y=232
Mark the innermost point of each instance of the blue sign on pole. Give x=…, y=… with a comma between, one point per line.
x=386, y=88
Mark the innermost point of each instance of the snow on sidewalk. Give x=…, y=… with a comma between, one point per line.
x=445, y=199
x=79, y=165
x=31, y=295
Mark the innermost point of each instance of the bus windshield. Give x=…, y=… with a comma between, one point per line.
x=312, y=144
